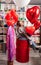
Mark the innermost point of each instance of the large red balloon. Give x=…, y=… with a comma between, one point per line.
x=36, y=10
x=14, y=15
x=33, y=13
x=10, y=23
x=11, y=18
x=8, y=16
x=30, y=30
x=12, y=12
x=13, y=22
x=37, y=24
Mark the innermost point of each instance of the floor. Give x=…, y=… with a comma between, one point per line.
x=35, y=59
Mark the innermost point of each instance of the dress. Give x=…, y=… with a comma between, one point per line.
x=11, y=43
x=22, y=47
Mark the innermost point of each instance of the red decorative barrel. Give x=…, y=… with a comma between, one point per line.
x=22, y=51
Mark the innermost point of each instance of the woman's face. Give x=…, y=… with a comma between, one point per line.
x=22, y=23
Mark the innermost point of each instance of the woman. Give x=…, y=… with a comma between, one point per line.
x=11, y=42
x=11, y=18
x=22, y=46
x=22, y=34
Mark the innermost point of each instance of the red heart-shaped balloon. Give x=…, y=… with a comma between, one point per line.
x=36, y=10
x=33, y=13
x=30, y=30
x=37, y=24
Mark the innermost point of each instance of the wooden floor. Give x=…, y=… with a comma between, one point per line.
x=35, y=59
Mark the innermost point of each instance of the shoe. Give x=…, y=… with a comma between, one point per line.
x=10, y=63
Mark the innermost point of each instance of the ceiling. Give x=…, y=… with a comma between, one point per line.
x=35, y=2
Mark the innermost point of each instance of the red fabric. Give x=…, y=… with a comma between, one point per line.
x=22, y=51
